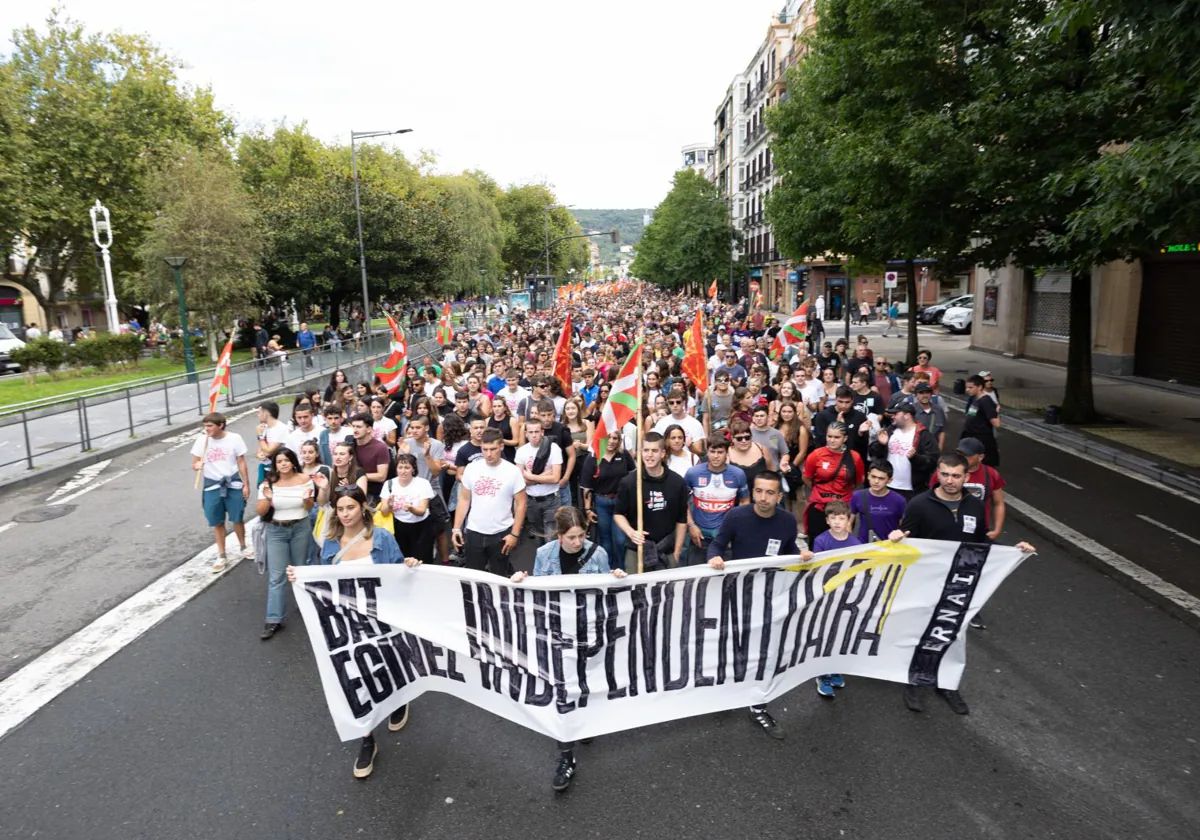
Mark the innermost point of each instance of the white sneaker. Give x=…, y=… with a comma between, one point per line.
x=248, y=553
x=219, y=564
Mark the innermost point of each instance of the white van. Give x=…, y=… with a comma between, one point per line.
x=8, y=343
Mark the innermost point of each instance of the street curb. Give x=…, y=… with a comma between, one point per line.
x=1080, y=443
x=1127, y=581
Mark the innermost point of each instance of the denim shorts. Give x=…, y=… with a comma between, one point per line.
x=217, y=508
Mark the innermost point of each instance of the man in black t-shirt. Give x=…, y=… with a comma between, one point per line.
x=981, y=419
x=664, y=503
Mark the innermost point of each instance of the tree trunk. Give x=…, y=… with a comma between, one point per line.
x=910, y=285
x=212, y=338
x=1078, y=405
x=335, y=307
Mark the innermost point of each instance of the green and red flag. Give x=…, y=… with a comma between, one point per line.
x=220, y=383
x=445, y=333
x=795, y=331
x=391, y=371
x=695, y=360
x=624, y=400
x=712, y=290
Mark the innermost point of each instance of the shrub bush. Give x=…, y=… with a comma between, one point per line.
x=42, y=353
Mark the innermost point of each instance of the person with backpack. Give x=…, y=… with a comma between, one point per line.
x=572, y=553
x=541, y=462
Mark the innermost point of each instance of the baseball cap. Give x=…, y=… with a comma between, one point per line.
x=970, y=446
x=909, y=407
x=923, y=388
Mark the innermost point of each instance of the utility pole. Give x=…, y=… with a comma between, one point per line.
x=189, y=358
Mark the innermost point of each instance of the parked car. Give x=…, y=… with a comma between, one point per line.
x=933, y=313
x=957, y=319
x=8, y=343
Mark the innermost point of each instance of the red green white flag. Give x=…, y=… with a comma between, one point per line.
x=624, y=400
x=220, y=383
x=795, y=331
x=445, y=333
x=391, y=371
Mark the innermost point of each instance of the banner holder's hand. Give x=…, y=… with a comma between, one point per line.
x=717, y=563
x=412, y=562
x=1026, y=548
x=898, y=535
x=517, y=577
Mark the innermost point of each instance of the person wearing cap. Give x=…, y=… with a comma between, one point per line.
x=989, y=388
x=981, y=419
x=910, y=449
x=985, y=483
x=929, y=414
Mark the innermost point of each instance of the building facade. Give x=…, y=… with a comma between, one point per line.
x=696, y=157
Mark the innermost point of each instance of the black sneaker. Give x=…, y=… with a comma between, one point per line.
x=912, y=699
x=769, y=725
x=398, y=719
x=364, y=765
x=564, y=772
x=955, y=701
x=270, y=630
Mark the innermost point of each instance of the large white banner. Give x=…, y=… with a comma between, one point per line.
x=583, y=655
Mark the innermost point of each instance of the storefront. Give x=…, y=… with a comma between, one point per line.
x=1166, y=328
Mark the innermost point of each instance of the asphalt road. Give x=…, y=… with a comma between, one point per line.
x=1084, y=715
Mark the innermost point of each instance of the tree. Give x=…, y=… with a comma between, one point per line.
x=870, y=143
x=92, y=117
x=530, y=216
x=687, y=242
x=207, y=216
x=473, y=264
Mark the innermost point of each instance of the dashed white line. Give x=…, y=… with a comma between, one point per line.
x=52, y=673
x=1109, y=557
x=1049, y=474
x=80, y=479
x=89, y=488
x=1167, y=527
x=6, y=526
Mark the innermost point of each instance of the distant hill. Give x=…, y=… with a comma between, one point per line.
x=627, y=222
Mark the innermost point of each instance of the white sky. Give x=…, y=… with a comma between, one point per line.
x=595, y=99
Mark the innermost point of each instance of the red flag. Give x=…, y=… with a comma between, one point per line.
x=220, y=383
x=712, y=290
x=623, y=402
x=695, y=360
x=445, y=333
x=562, y=357
x=794, y=331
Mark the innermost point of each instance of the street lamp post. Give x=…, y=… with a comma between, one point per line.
x=362, y=254
x=189, y=358
x=102, y=235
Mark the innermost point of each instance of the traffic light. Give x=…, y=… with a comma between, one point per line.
x=616, y=236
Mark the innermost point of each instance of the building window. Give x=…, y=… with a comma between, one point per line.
x=1049, y=309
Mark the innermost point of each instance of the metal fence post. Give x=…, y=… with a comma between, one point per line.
x=167, y=402
x=258, y=376
x=28, y=445
x=199, y=399
x=129, y=409
x=81, y=408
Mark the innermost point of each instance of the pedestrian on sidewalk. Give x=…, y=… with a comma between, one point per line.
x=306, y=340
x=353, y=538
x=864, y=313
x=572, y=553
x=221, y=456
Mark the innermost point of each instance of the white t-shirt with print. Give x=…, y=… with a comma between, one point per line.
x=416, y=490
x=492, y=490
x=220, y=459
x=899, y=443
x=277, y=434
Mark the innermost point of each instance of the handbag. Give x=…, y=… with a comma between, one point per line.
x=385, y=521
x=260, y=546
x=319, y=524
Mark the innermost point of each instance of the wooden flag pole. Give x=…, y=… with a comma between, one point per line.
x=641, y=504
x=200, y=472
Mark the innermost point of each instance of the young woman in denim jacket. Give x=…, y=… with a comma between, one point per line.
x=353, y=538
x=571, y=554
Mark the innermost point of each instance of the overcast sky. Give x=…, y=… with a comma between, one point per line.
x=595, y=99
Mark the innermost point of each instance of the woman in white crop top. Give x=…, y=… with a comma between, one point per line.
x=284, y=500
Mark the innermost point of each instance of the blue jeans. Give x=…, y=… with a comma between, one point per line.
x=564, y=495
x=611, y=538
x=287, y=545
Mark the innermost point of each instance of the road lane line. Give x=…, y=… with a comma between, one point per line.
x=79, y=479
x=1167, y=527
x=64, y=499
x=59, y=668
x=1108, y=557
x=1117, y=468
x=6, y=526
x=1049, y=474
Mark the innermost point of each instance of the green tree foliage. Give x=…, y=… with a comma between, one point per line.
x=88, y=117
x=687, y=243
x=530, y=216
x=206, y=215
x=870, y=139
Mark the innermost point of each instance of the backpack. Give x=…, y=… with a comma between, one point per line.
x=543, y=455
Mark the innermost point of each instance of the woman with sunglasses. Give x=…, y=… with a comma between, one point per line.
x=745, y=453
x=353, y=538
x=284, y=501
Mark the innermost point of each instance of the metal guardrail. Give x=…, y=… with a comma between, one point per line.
x=92, y=419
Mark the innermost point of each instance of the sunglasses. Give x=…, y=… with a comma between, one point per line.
x=741, y=438
x=674, y=402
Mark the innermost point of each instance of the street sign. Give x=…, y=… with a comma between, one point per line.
x=890, y=279
x=793, y=276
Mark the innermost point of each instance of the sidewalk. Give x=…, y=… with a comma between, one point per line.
x=1144, y=419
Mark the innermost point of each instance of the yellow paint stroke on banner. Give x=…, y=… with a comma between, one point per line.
x=882, y=553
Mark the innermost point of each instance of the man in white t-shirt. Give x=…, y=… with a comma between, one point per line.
x=305, y=430
x=513, y=394
x=491, y=504
x=226, y=482
x=541, y=480
x=272, y=434
x=901, y=447
x=693, y=430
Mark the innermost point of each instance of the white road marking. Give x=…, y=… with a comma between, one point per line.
x=1109, y=557
x=52, y=673
x=1049, y=474
x=6, y=526
x=1166, y=527
x=1083, y=455
x=89, y=488
x=80, y=479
